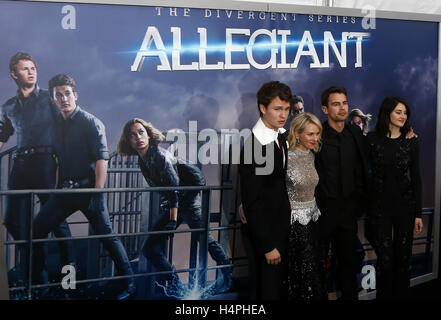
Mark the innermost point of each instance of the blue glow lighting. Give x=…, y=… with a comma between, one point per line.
x=195, y=292
x=261, y=46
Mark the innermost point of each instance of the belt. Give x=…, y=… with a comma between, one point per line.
x=303, y=205
x=75, y=184
x=32, y=150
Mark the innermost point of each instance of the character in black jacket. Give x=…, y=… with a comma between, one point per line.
x=342, y=168
x=395, y=197
x=160, y=168
x=264, y=197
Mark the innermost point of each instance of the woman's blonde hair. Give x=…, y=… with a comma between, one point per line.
x=298, y=124
x=124, y=148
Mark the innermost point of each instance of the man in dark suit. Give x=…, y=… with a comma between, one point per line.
x=265, y=201
x=342, y=168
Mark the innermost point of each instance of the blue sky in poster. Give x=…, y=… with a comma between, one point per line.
x=399, y=58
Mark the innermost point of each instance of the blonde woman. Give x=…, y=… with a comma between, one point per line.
x=305, y=263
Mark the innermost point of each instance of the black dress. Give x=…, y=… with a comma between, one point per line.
x=395, y=202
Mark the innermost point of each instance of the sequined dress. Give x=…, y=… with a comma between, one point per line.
x=305, y=262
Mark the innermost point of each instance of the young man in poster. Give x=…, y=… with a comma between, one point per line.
x=265, y=201
x=81, y=147
x=32, y=116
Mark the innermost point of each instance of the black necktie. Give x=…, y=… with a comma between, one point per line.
x=280, y=139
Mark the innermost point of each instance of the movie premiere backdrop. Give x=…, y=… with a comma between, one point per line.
x=195, y=69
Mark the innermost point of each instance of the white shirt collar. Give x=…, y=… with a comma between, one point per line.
x=264, y=134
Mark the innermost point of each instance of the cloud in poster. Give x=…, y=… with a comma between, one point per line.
x=418, y=76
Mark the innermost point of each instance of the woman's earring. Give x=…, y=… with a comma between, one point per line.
x=297, y=141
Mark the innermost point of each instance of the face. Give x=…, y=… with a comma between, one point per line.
x=398, y=116
x=25, y=73
x=357, y=121
x=297, y=108
x=337, y=109
x=138, y=137
x=274, y=116
x=65, y=99
x=309, y=138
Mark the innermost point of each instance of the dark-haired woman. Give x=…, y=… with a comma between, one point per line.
x=395, y=206
x=161, y=168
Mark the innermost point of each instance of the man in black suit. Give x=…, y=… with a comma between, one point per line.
x=265, y=201
x=342, y=168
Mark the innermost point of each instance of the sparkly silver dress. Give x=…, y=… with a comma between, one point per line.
x=305, y=261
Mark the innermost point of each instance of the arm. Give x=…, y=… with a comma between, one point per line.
x=57, y=176
x=416, y=184
x=168, y=178
x=100, y=173
x=174, y=214
x=242, y=215
x=252, y=190
x=6, y=128
x=272, y=257
x=98, y=151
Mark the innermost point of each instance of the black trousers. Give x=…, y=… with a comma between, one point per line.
x=268, y=281
x=59, y=207
x=338, y=229
x=36, y=171
x=393, y=246
x=251, y=255
x=189, y=212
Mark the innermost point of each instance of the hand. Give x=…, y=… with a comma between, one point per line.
x=273, y=257
x=411, y=134
x=242, y=214
x=418, y=226
x=171, y=225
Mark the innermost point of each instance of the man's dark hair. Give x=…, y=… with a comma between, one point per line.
x=61, y=80
x=387, y=106
x=270, y=90
x=17, y=57
x=331, y=90
x=297, y=99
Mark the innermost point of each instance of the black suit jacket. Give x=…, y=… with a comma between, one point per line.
x=361, y=196
x=264, y=196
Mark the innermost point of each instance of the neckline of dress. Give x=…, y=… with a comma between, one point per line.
x=300, y=152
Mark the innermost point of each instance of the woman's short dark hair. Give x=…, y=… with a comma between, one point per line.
x=270, y=90
x=124, y=148
x=387, y=106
